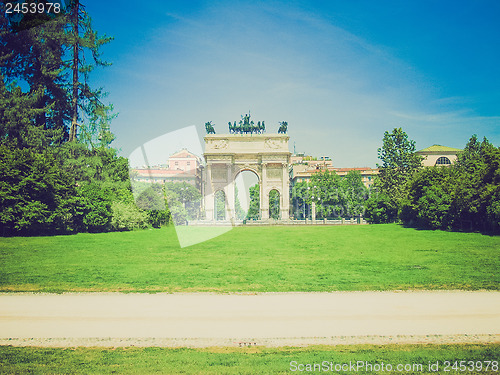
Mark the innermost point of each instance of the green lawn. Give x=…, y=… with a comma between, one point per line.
x=253, y=259
x=255, y=360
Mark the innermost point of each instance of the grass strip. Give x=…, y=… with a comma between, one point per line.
x=369, y=359
x=253, y=259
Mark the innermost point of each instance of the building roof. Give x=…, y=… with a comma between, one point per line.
x=354, y=169
x=162, y=172
x=341, y=171
x=439, y=148
x=183, y=154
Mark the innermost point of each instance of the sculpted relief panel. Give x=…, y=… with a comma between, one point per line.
x=274, y=173
x=219, y=144
x=219, y=174
x=272, y=143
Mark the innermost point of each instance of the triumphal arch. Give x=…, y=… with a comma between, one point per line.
x=226, y=155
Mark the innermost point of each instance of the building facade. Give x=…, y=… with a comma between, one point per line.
x=303, y=167
x=183, y=166
x=438, y=155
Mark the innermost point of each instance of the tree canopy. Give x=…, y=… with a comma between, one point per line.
x=49, y=185
x=399, y=163
x=463, y=196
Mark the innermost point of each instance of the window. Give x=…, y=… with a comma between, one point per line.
x=443, y=160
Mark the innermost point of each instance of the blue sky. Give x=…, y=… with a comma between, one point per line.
x=340, y=72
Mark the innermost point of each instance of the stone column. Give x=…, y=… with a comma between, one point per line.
x=313, y=213
x=203, y=177
x=229, y=191
x=285, y=206
x=264, y=198
x=209, y=195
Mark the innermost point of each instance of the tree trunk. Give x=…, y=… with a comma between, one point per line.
x=74, y=122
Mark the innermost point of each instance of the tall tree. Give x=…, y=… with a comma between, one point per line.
x=478, y=188
x=326, y=191
x=354, y=194
x=430, y=196
x=50, y=56
x=299, y=199
x=32, y=69
x=399, y=163
x=87, y=104
x=75, y=67
x=40, y=53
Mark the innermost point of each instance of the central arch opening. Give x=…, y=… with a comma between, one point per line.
x=247, y=196
x=220, y=205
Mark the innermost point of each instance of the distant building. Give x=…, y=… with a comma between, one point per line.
x=183, y=166
x=303, y=167
x=183, y=161
x=322, y=161
x=438, y=155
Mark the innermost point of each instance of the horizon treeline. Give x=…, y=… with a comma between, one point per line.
x=59, y=173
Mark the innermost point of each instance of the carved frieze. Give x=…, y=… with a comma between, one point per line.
x=218, y=158
x=275, y=158
x=274, y=173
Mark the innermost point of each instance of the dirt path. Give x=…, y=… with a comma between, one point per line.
x=200, y=319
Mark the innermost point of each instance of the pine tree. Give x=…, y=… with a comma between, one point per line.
x=50, y=56
x=86, y=102
x=32, y=71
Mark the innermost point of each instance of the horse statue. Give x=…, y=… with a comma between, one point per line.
x=237, y=128
x=209, y=127
x=283, y=127
x=253, y=127
x=262, y=128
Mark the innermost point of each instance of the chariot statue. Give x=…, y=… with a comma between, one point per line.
x=246, y=125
